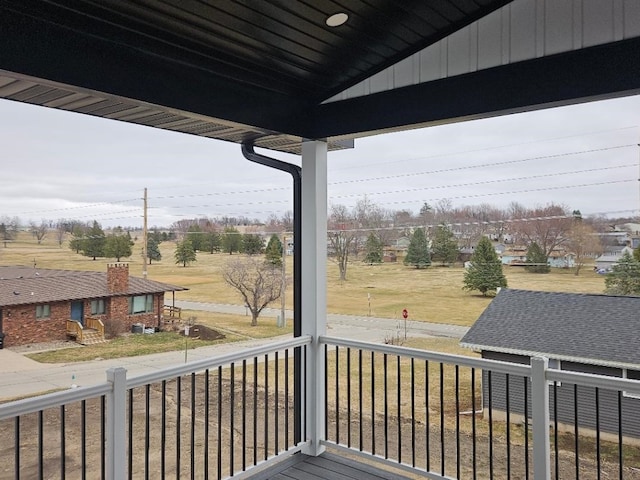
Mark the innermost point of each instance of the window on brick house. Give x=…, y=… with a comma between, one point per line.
x=43, y=311
x=141, y=304
x=97, y=307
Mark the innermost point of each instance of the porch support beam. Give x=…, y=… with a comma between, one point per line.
x=314, y=285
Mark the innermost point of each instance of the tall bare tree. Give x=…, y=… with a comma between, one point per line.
x=342, y=236
x=548, y=226
x=584, y=243
x=258, y=282
x=39, y=231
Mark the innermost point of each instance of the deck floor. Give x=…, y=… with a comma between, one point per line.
x=327, y=466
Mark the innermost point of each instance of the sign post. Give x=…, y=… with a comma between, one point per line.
x=405, y=314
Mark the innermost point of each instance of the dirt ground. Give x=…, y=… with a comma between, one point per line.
x=196, y=428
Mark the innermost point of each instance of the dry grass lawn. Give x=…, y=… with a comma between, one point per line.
x=433, y=294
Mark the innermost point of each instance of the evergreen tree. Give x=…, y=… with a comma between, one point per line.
x=93, y=243
x=444, y=247
x=195, y=236
x=185, y=252
x=485, y=270
x=273, y=252
x=418, y=253
x=153, y=250
x=252, y=244
x=373, y=249
x=624, y=278
x=536, y=260
x=117, y=246
x=212, y=242
x=231, y=240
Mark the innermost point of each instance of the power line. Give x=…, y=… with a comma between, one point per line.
x=481, y=165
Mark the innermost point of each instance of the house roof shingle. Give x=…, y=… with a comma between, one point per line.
x=596, y=329
x=25, y=285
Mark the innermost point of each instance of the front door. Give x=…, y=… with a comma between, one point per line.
x=77, y=311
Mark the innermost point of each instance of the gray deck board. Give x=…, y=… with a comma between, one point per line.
x=327, y=466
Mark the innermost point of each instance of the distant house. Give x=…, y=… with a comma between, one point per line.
x=41, y=305
x=596, y=334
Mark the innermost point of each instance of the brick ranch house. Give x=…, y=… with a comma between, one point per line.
x=36, y=304
x=588, y=333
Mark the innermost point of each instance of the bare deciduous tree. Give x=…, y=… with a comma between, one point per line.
x=39, y=231
x=341, y=237
x=584, y=243
x=547, y=226
x=258, y=282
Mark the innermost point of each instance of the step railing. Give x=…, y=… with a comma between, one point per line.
x=76, y=330
x=95, y=324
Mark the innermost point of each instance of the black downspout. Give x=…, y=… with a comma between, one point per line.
x=296, y=172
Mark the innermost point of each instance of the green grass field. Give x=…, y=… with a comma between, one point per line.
x=434, y=294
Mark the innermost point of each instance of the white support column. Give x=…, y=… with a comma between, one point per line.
x=314, y=283
x=540, y=419
x=116, y=425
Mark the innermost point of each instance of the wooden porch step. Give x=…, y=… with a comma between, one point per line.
x=91, y=337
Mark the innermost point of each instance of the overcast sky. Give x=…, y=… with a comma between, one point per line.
x=63, y=165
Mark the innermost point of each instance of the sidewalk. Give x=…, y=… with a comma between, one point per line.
x=19, y=376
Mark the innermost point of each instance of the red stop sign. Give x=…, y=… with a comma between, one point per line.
x=405, y=314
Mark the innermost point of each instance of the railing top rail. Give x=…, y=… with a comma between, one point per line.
x=50, y=400
x=216, y=361
x=593, y=380
x=480, y=363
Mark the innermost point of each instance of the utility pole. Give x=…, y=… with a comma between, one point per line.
x=144, y=237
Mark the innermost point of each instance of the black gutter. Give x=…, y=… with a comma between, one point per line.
x=296, y=172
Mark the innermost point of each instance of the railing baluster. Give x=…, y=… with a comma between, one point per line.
x=474, y=447
x=275, y=407
x=427, y=425
x=413, y=413
x=286, y=399
x=232, y=399
x=207, y=406
x=620, y=452
x=360, y=397
x=178, y=415
x=103, y=437
x=41, y=445
x=63, y=444
x=219, y=421
x=349, y=397
x=244, y=415
x=130, y=449
x=457, y=382
x=83, y=438
x=326, y=391
x=575, y=430
x=193, y=426
x=373, y=404
x=490, y=395
x=598, y=459
x=386, y=406
x=255, y=411
x=163, y=431
x=337, y=396
x=442, y=429
x=508, y=418
x=556, y=447
x=16, y=446
x=147, y=408
x=526, y=427
x=266, y=406
x=399, y=401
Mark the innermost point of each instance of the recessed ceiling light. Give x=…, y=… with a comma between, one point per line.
x=337, y=19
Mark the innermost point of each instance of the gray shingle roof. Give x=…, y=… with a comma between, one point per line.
x=597, y=329
x=26, y=285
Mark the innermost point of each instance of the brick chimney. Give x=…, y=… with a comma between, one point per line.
x=117, y=277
